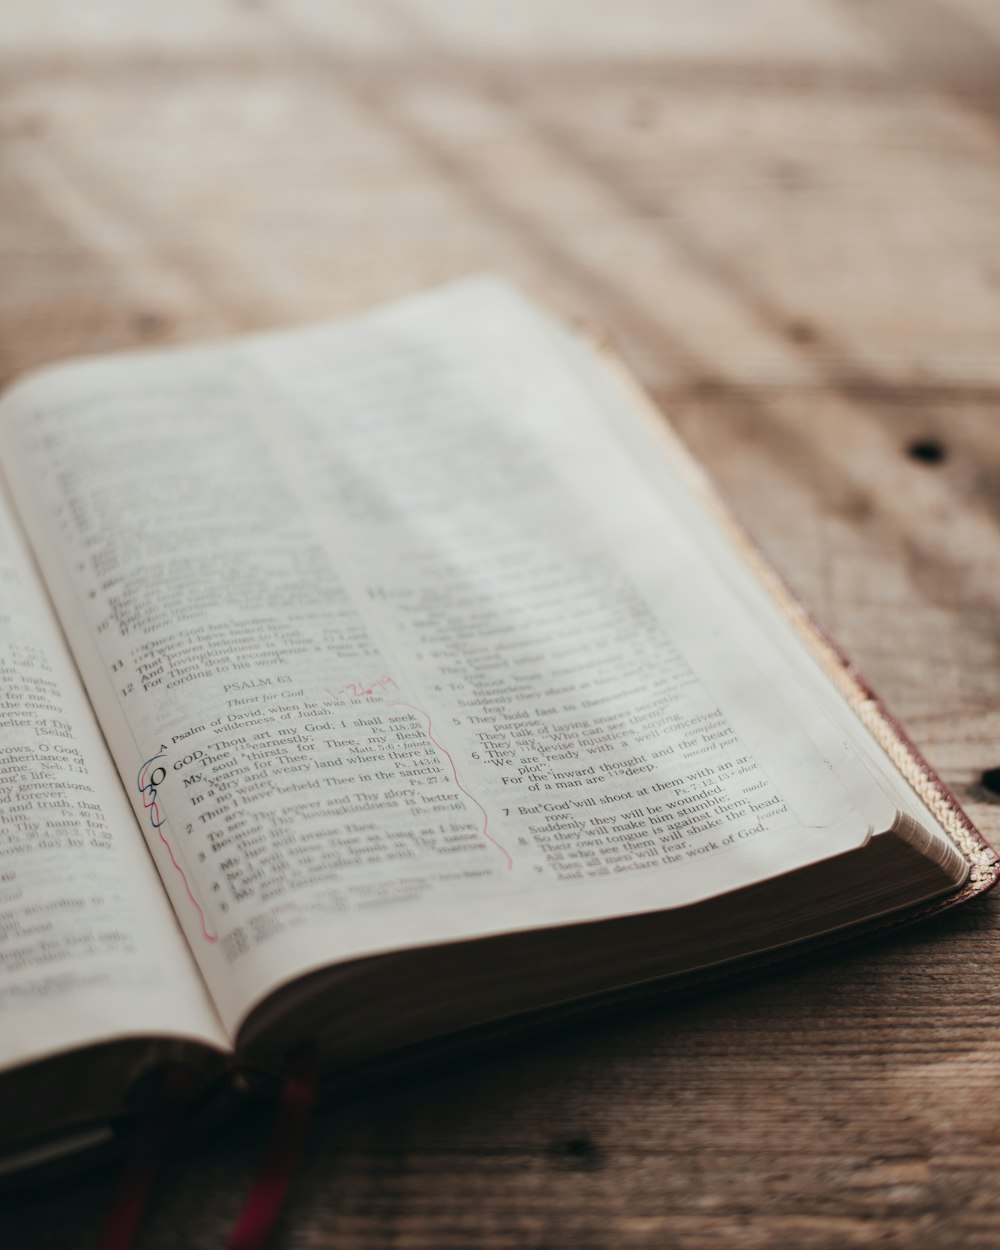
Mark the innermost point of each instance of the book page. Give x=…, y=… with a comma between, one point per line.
x=394, y=643
x=89, y=948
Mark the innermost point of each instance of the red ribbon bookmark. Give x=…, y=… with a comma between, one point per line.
x=270, y=1187
x=269, y=1191
x=135, y=1182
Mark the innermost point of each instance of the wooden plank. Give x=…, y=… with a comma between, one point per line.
x=787, y=216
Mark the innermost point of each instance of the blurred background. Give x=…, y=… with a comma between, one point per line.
x=780, y=211
x=785, y=214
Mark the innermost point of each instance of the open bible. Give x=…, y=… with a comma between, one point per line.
x=377, y=684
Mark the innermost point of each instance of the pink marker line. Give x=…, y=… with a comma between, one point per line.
x=148, y=791
x=359, y=690
x=454, y=772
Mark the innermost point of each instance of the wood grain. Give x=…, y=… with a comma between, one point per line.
x=786, y=215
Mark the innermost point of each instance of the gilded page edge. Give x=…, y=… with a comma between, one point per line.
x=984, y=862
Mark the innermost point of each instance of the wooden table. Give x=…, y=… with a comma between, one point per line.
x=787, y=216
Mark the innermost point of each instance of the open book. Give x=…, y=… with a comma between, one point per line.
x=368, y=684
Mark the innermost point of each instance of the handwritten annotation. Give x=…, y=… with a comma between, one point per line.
x=149, y=784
